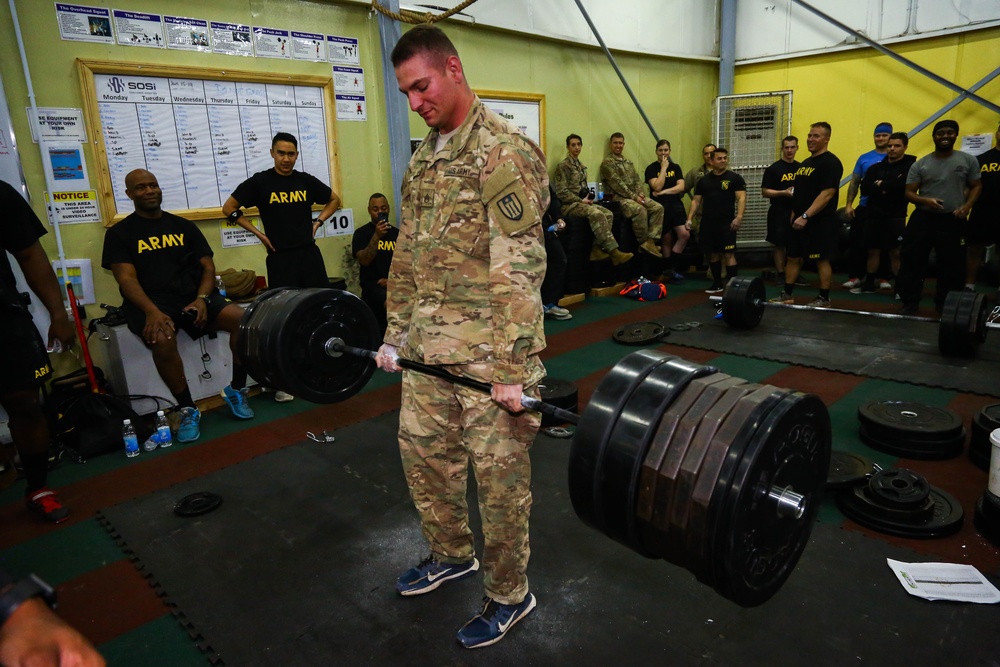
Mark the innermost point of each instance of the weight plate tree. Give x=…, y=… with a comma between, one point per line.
x=672, y=459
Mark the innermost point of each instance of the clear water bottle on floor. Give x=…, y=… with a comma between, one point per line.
x=163, y=435
x=219, y=285
x=131, y=441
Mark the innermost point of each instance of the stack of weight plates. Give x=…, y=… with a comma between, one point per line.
x=560, y=393
x=985, y=422
x=710, y=472
x=987, y=517
x=902, y=503
x=911, y=430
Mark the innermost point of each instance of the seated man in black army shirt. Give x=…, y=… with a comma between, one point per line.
x=165, y=272
x=373, y=244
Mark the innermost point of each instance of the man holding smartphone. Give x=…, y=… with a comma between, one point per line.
x=373, y=245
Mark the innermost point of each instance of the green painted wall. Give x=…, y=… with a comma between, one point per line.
x=582, y=92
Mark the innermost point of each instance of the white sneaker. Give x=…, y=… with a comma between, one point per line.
x=885, y=284
x=282, y=397
x=853, y=282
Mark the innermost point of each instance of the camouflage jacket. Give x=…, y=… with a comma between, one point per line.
x=571, y=179
x=620, y=178
x=470, y=258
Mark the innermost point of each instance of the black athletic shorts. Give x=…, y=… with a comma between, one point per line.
x=983, y=226
x=883, y=233
x=23, y=357
x=779, y=225
x=297, y=267
x=174, y=309
x=716, y=237
x=818, y=240
x=673, y=216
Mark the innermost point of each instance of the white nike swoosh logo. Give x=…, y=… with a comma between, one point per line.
x=503, y=626
x=434, y=577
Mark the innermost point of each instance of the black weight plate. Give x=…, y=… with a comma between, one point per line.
x=984, y=422
x=560, y=393
x=987, y=517
x=640, y=333
x=618, y=479
x=756, y=548
x=909, y=420
x=963, y=324
x=945, y=515
x=948, y=338
x=743, y=302
x=596, y=423
x=847, y=469
x=932, y=450
x=898, y=489
x=197, y=504
x=989, y=417
x=281, y=342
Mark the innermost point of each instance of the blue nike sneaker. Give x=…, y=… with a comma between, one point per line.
x=430, y=573
x=493, y=622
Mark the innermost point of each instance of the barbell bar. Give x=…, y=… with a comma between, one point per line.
x=336, y=346
x=672, y=459
x=962, y=326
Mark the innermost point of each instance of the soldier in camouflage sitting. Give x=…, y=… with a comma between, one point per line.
x=622, y=184
x=577, y=202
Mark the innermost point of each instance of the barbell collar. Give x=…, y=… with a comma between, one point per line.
x=335, y=347
x=789, y=505
x=886, y=316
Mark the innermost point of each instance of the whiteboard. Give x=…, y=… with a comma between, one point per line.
x=525, y=111
x=201, y=136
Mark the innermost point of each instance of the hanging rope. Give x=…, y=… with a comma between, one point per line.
x=417, y=18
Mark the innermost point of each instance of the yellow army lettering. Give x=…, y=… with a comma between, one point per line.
x=288, y=197
x=387, y=245
x=990, y=167
x=805, y=171
x=159, y=242
x=43, y=371
x=787, y=177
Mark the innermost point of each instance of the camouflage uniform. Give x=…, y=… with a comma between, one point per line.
x=690, y=181
x=464, y=296
x=571, y=180
x=622, y=182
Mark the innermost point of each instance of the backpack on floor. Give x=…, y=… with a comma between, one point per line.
x=644, y=290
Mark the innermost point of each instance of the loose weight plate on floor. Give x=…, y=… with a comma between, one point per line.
x=560, y=393
x=902, y=503
x=848, y=469
x=892, y=420
x=640, y=333
x=923, y=450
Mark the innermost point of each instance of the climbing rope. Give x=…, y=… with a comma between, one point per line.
x=417, y=18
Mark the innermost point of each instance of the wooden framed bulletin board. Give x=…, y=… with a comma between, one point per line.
x=201, y=131
x=525, y=110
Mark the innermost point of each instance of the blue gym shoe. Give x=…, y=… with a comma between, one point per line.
x=189, y=431
x=237, y=402
x=493, y=622
x=429, y=574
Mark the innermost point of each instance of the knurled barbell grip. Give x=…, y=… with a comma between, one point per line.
x=530, y=403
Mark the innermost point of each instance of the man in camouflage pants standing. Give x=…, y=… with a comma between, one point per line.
x=623, y=185
x=574, y=195
x=464, y=297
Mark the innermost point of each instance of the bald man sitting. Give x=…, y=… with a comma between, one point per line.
x=165, y=272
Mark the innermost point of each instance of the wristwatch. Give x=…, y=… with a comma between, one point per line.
x=804, y=216
x=22, y=591
x=204, y=297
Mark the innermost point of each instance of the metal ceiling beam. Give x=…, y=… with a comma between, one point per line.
x=895, y=56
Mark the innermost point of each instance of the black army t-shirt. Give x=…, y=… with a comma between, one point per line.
x=19, y=230
x=673, y=174
x=285, y=204
x=817, y=173
x=165, y=251
x=780, y=176
x=379, y=268
x=718, y=196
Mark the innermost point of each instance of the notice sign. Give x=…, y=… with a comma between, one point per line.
x=351, y=107
x=343, y=50
x=72, y=207
x=58, y=124
x=139, y=29
x=187, y=34
x=231, y=39
x=234, y=236
x=341, y=223
x=78, y=23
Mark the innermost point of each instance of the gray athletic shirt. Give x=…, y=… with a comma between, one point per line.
x=945, y=178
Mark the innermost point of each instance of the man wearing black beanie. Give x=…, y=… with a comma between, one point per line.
x=943, y=185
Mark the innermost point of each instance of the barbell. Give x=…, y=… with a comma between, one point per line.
x=672, y=459
x=961, y=329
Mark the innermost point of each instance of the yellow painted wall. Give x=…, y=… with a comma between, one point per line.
x=583, y=95
x=854, y=90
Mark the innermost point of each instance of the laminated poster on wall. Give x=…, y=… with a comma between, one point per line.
x=271, y=43
x=80, y=23
x=187, y=34
x=58, y=124
x=138, y=29
x=234, y=236
x=343, y=50
x=351, y=107
x=231, y=39
x=308, y=46
x=65, y=168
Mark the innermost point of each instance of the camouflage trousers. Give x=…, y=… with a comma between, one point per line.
x=600, y=220
x=442, y=428
x=646, y=218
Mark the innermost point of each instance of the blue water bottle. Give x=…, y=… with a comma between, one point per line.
x=131, y=441
x=163, y=435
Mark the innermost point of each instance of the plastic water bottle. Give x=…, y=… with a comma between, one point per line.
x=219, y=285
x=600, y=191
x=163, y=435
x=131, y=441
